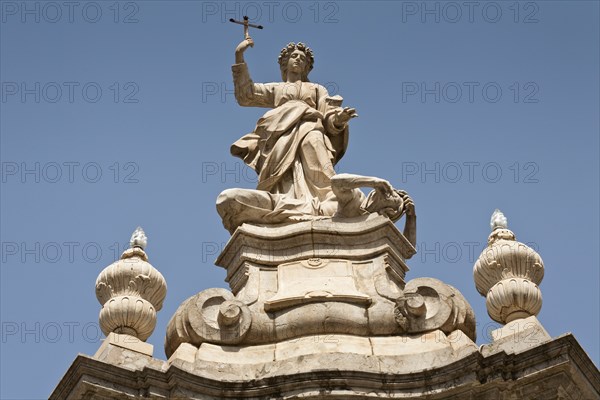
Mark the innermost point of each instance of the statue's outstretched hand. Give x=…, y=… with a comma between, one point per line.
x=345, y=115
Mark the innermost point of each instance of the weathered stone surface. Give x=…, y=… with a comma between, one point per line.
x=354, y=239
x=126, y=342
x=213, y=315
x=128, y=352
x=516, y=336
x=326, y=277
x=315, y=280
x=555, y=369
x=185, y=353
x=428, y=304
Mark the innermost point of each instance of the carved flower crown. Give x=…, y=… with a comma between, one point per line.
x=284, y=56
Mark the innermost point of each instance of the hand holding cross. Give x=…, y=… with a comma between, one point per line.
x=247, y=42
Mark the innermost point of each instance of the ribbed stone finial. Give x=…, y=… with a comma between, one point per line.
x=508, y=273
x=131, y=291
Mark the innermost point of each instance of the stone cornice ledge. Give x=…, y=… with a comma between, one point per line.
x=328, y=238
x=561, y=360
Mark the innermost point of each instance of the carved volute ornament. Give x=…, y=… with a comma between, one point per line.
x=427, y=304
x=508, y=273
x=131, y=291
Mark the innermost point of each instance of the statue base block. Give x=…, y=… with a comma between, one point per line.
x=517, y=336
x=124, y=342
x=357, y=239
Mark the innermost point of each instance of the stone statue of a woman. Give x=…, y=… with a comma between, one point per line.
x=294, y=148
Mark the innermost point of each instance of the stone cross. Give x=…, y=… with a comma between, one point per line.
x=246, y=25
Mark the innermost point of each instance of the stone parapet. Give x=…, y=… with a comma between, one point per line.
x=551, y=370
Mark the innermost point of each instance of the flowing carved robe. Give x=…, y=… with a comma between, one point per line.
x=294, y=169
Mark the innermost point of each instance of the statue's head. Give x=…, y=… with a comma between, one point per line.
x=296, y=56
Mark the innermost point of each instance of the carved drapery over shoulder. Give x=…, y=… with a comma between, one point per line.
x=298, y=108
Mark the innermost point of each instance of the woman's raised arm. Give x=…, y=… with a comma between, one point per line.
x=248, y=93
x=241, y=48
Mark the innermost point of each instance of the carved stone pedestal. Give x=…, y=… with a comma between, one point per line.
x=317, y=279
x=310, y=278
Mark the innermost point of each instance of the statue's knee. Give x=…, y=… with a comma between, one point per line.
x=225, y=200
x=313, y=140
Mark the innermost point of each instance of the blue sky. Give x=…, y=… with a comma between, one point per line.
x=119, y=114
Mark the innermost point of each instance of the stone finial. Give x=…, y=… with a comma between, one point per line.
x=498, y=220
x=138, y=238
x=131, y=291
x=508, y=273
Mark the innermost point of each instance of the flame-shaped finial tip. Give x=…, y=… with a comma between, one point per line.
x=138, y=238
x=498, y=220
